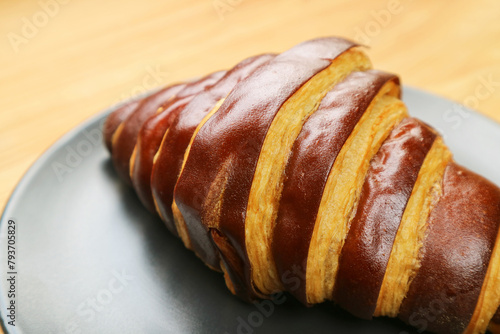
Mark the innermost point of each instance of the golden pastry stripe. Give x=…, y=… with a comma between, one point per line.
x=180, y=223
x=117, y=134
x=267, y=183
x=489, y=299
x=155, y=158
x=134, y=154
x=132, y=158
x=343, y=188
x=404, y=259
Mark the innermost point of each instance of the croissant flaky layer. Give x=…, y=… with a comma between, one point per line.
x=303, y=172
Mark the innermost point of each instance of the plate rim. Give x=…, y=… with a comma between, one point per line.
x=100, y=117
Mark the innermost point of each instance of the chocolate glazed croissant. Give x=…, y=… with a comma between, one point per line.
x=303, y=172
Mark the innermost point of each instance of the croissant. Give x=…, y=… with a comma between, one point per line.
x=303, y=172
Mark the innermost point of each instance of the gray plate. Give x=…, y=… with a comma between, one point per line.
x=90, y=259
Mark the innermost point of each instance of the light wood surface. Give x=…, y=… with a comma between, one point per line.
x=61, y=64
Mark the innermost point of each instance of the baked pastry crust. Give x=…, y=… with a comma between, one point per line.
x=303, y=172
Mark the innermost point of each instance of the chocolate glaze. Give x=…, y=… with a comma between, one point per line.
x=231, y=261
x=462, y=230
x=311, y=159
x=114, y=120
x=496, y=317
x=152, y=131
x=148, y=143
x=386, y=191
x=124, y=145
x=169, y=161
x=195, y=87
x=225, y=152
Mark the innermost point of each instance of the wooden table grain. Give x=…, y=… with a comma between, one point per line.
x=63, y=61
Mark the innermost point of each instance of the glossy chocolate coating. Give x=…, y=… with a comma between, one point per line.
x=311, y=159
x=114, y=120
x=152, y=131
x=169, y=161
x=148, y=143
x=124, y=145
x=194, y=87
x=231, y=261
x=462, y=230
x=386, y=191
x=496, y=317
x=232, y=139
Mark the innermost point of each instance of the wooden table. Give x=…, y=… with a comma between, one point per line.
x=63, y=61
